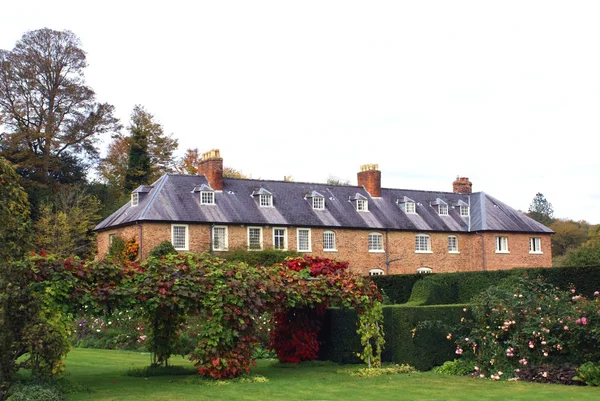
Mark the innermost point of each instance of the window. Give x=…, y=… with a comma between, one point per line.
x=318, y=202
x=424, y=270
x=409, y=207
x=422, y=243
x=464, y=211
x=255, y=238
x=443, y=209
x=220, y=240
x=535, y=245
x=501, y=244
x=362, y=205
x=207, y=198
x=135, y=199
x=111, y=238
x=329, y=241
x=179, y=236
x=375, y=242
x=280, y=238
x=304, y=242
x=266, y=200
x=376, y=272
x=452, y=244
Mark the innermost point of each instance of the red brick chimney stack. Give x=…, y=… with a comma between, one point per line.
x=370, y=178
x=211, y=166
x=462, y=185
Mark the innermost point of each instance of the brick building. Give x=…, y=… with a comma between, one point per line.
x=378, y=230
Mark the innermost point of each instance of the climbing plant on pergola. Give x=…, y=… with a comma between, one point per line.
x=229, y=297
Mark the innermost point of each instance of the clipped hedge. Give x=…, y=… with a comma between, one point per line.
x=426, y=349
x=459, y=288
x=267, y=257
x=397, y=287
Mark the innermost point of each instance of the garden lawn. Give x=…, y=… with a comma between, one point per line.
x=102, y=372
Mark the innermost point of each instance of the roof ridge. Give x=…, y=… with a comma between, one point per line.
x=160, y=183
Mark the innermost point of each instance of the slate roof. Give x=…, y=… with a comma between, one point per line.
x=175, y=198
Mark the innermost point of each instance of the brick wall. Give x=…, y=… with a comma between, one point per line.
x=352, y=246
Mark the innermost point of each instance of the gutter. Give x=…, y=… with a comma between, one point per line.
x=141, y=250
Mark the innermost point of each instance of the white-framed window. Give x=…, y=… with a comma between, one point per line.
x=464, y=211
x=329, y=241
x=422, y=243
x=362, y=205
x=266, y=200
x=135, y=199
x=111, y=238
x=220, y=238
x=424, y=270
x=409, y=207
x=318, y=202
x=452, y=244
x=207, y=198
x=535, y=245
x=443, y=209
x=179, y=236
x=376, y=272
x=303, y=236
x=255, y=238
x=280, y=238
x=375, y=242
x=501, y=244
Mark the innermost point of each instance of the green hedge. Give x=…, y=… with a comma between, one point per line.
x=459, y=288
x=428, y=347
x=397, y=287
x=268, y=257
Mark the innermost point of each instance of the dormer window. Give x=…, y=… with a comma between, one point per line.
x=443, y=210
x=318, y=202
x=135, y=199
x=266, y=200
x=407, y=205
x=441, y=206
x=464, y=211
x=362, y=205
x=207, y=198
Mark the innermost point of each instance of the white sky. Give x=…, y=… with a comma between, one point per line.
x=506, y=93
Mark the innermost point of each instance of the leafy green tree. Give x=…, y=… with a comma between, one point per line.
x=568, y=234
x=541, y=210
x=64, y=227
x=51, y=119
x=150, y=151
x=14, y=214
x=587, y=254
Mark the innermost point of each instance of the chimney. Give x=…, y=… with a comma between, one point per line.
x=462, y=185
x=370, y=178
x=211, y=166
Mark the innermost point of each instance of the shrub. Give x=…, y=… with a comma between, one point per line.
x=589, y=373
x=163, y=249
x=115, y=250
x=527, y=322
x=457, y=367
x=35, y=392
x=397, y=287
x=268, y=257
x=547, y=373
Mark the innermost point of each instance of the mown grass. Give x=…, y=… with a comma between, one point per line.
x=104, y=374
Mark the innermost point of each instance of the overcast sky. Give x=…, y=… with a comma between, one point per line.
x=506, y=93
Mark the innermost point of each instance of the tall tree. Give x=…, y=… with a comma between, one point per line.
x=541, y=210
x=568, y=234
x=149, y=150
x=51, y=120
x=189, y=163
x=333, y=180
